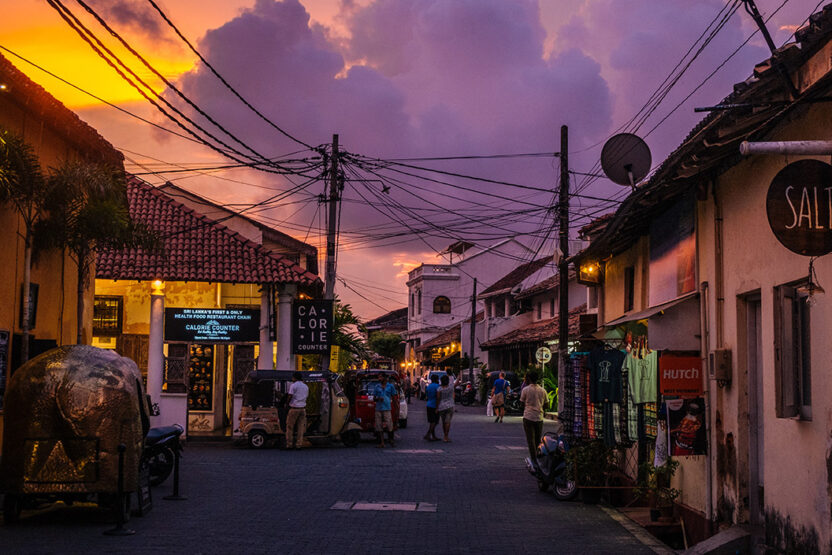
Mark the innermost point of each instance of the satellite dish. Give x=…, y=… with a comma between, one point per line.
x=626, y=159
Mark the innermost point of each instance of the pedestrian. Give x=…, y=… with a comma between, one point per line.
x=408, y=388
x=298, y=392
x=383, y=394
x=534, y=397
x=445, y=404
x=430, y=395
x=498, y=397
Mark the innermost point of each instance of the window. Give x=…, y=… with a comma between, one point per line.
x=176, y=364
x=106, y=316
x=442, y=305
x=499, y=308
x=552, y=307
x=793, y=377
x=629, y=288
x=419, y=301
x=539, y=310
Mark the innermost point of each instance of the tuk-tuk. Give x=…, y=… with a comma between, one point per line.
x=360, y=385
x=67, y=411
x=265, y=407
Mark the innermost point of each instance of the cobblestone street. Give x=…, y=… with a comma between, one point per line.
x=472, y=495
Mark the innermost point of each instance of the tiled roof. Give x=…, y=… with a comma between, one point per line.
x=537, y=332
x=548, y=284
x=393, y=319
x=447, y=336
x=34, y=99
x=195, y=248
x=518, y=274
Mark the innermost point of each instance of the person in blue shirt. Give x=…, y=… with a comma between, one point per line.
x=383, y=395
x=433, y=418
x=498, y=397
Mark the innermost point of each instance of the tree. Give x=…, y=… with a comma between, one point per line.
x=387, y=345
x=22, y=184
x=347, y=327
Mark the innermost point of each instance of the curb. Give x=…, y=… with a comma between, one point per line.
x=638, y=532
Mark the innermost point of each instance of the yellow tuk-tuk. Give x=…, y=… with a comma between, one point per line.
x=67, y=411
x=265, y=407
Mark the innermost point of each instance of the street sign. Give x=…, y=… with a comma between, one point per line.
x=311, y=326
x=543, y=355
x=212, y=325
x=799, y=207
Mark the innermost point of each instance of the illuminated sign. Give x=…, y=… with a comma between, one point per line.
x=212, y=325
x=311, y=326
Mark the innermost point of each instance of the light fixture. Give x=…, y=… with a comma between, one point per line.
x=812, y=288
x=157, y=286
x=589, y=273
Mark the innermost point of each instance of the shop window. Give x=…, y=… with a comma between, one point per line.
x=629, y=288
x=442, y=305
x=176, y=364
x=244, y=362
x=106, y=316
x=793, y=376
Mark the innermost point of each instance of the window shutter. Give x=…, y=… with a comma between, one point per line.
x=787, y=351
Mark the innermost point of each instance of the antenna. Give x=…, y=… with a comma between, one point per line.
x=626, y=159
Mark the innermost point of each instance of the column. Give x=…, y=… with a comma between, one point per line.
x=156, y=341
x=265, y=360
x=285, y=359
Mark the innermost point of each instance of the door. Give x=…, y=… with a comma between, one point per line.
x=755, y=410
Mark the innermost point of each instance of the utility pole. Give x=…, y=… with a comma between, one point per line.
x=473, y=334
x=329, y=276
x=563, y=264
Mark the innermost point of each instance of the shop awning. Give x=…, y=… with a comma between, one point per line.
x=652, y=311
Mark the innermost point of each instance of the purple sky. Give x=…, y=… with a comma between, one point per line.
x=406, y=78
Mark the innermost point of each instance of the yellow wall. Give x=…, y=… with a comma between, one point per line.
x=636, y=256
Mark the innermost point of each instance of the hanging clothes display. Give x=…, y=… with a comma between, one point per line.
x=605, y=369
x=642, y=374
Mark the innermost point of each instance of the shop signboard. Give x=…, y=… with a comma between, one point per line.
x=680, y=376
x=212, y=325
x=334, y=354
x=311, y=326
x=799, y=207
x=543, y=355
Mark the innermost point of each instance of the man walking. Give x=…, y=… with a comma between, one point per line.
x=383, y=395
x=533, y=396
x=433, y=418
x=298, y=392
x=498, y=397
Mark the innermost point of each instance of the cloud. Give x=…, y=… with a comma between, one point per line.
x=136, y=14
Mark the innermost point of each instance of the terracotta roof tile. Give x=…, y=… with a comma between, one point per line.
x=447, y=336
x=537, y=332
x=195, y=248
x=518, y=274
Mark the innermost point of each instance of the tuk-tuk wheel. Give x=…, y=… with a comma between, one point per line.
x=257, y=439
x=12, y=505
x=351, y=438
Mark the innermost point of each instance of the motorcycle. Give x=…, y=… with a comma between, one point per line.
x=160, y=448
x=465, y=394
x=551, y=469
x=512, y=401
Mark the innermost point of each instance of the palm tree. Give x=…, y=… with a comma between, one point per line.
x=347, y=327
x=88, y=210
x=23, y=185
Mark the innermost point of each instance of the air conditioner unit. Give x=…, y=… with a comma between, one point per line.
x=719, y=365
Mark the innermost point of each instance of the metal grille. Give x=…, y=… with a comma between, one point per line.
x=243, y=364
x=176, y=364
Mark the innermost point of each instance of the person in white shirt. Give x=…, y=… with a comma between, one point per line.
x=298, y=392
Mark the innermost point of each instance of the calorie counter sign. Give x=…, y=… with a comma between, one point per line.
x=311, y=326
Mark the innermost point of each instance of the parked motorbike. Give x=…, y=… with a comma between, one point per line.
x=512, y=401
x=551, y=469
x=160, y=448
x=466, y=394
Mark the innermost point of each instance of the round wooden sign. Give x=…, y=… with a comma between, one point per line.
x=799, y=207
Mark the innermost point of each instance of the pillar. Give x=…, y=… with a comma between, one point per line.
x=265, y=360
x=156, y=341
x=285, y=360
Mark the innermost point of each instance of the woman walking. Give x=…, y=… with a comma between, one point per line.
x=445, y=405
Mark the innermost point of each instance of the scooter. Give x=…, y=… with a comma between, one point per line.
x=160, y=448
x=512, y=401
x=466, y=394
x=551, y=469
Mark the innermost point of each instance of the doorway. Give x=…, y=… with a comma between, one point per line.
x=754, y=358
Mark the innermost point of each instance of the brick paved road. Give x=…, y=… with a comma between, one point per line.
x=240, y=500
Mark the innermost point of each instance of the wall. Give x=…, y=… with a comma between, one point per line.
x=613, y=297
x=796, y=466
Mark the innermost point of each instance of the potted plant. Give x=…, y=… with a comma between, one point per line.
x=589, y=465
x=654, y=486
